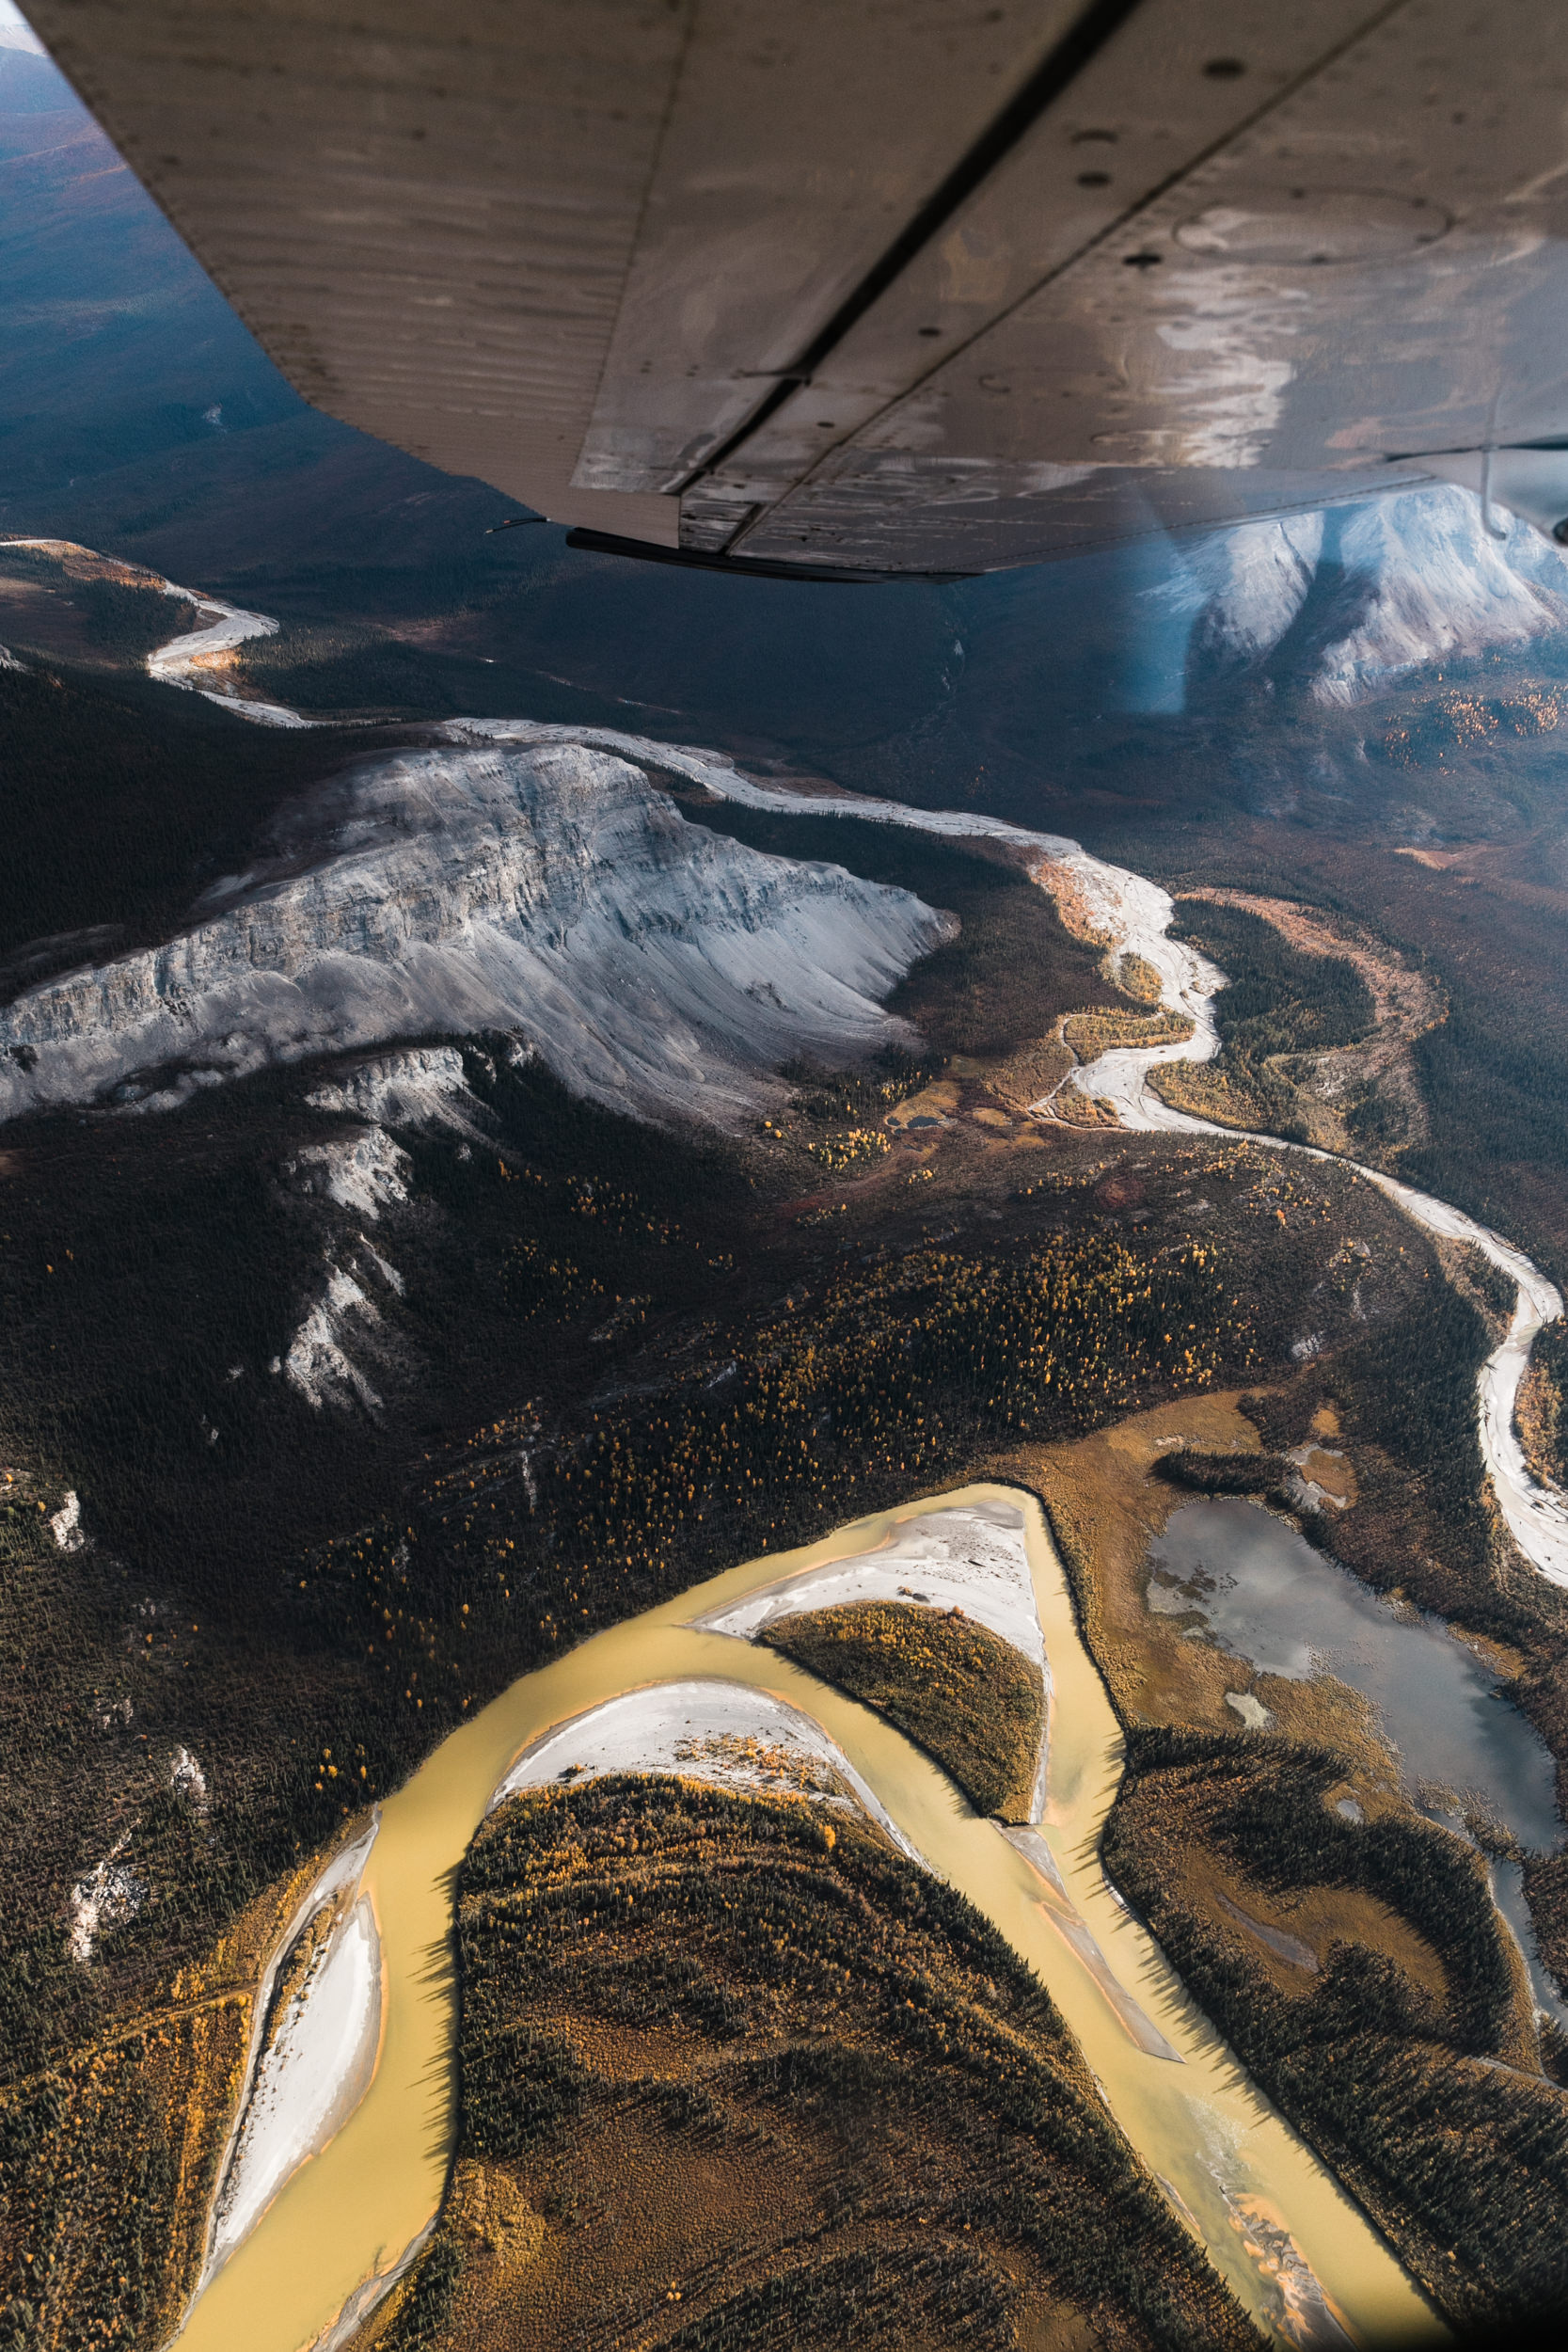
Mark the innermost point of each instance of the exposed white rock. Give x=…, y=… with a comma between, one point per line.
x=425, y=1086
x=703, y=1729
x=657, y=966
x=1398, y=584
x=170, y=1097
x=108, y=1895
x=65, y=1524
x=1252, y=1710
x=367, y=1171
x=388, y=1272
x=187, y=1779
x=318, y=1363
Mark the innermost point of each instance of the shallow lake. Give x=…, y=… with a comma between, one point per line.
x=1266, y=1596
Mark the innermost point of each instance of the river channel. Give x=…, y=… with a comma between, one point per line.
x=1260, y=2201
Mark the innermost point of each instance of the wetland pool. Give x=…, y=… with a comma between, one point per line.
x=1257, y=1588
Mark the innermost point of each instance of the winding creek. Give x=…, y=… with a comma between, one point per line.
x=1289, y=2243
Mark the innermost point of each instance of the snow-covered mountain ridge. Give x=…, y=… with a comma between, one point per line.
x=1352, y=600
x=552, y=888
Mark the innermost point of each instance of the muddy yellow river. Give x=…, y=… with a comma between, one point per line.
x=1293, y=2247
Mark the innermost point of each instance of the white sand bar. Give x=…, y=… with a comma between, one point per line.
x=975, y=1560
x=320, y=2052
x=703, y=1729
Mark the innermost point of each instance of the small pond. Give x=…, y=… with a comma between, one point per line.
x=1266, y=1596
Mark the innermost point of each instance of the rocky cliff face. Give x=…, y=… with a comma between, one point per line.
x=550, y=889
x=1347, y=601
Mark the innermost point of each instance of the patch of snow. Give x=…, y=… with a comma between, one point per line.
x=15, y=31
x=658, y=967
x=9, y=662
x=427, y=1086
x=1243, y=589
x=319, y=2057
x=367, y=1172
x=65, y=1524
x=701, y=1729
x=108, y=1895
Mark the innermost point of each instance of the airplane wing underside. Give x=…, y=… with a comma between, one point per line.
x=904, y=286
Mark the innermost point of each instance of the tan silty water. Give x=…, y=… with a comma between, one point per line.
x=1292, y=2247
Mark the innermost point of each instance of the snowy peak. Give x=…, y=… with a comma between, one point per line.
x=1349, y=600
